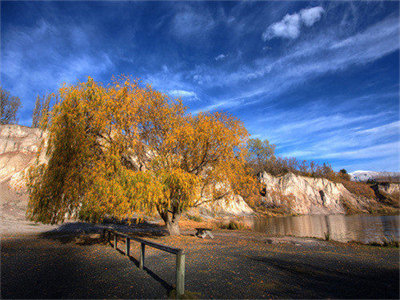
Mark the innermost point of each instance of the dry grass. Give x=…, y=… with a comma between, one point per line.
x=232, y=225
x=358, y=188
x=348, y=206
x=191, y=225
x=194, y=218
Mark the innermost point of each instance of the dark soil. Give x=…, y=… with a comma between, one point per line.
x=237, y=264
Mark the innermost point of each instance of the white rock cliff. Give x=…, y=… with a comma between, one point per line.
x=305, y=195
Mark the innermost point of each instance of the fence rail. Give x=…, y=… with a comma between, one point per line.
x=180, y=255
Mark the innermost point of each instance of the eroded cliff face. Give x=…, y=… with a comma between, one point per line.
x=19, y=146
x=305, y=195
x=234, y=207
x=388, y=193
x=390, y=188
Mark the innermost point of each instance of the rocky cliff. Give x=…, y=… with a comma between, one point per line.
x=304, y=195
x=291, y=193
x=19, y=146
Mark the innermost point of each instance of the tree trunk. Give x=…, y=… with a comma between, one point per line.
x=171, y=219
x=173, y=227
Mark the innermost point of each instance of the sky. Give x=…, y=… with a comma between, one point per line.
x=318, y=79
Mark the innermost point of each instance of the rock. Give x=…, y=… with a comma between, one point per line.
x=234, y=207
x=19, y=146
x=305, y=195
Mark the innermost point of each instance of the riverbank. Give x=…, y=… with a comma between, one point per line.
x=235, y=264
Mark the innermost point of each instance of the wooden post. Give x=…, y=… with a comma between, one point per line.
x=128, y=246
x=115, y=240
x=141, y=259
x=180, y=274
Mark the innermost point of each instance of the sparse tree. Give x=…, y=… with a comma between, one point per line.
x=125, y=148
x=343, y=174
x=37, y=112
x=261, y=154
x=9, y=106
x=41, y=110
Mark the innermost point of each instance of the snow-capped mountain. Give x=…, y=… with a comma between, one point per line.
x=366, y=175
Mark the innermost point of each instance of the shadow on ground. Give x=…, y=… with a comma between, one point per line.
x=330, y=278
x=83, y=233
x=88, y=234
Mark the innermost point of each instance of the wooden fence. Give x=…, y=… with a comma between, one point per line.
x=180, y=255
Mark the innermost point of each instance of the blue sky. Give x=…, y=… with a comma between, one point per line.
x=318, y=79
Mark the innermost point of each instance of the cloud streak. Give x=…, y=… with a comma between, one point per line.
x=187, y=95
x=309, y=59
x=326, y=87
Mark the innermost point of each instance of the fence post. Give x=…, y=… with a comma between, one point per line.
x=128, y=245
x=180, y=274
x=115, y=240
x=142, y=251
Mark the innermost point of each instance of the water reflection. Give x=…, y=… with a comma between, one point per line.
x=363, y=228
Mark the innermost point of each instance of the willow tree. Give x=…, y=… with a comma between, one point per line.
x=125, y=148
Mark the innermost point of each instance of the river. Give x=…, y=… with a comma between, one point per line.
x=344, y=228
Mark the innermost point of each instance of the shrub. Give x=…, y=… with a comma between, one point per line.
x=388, y=241
x=232, y=225
x=358, y=188
x=194, y=218
x=348, y=206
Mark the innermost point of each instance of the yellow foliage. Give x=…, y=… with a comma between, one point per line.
x=124, y=148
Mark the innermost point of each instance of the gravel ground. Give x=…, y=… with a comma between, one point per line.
x=239, y=264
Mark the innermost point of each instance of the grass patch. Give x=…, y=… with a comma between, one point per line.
x=358, y=188
x=194, y=218
x=232, y=225
x=388, y=241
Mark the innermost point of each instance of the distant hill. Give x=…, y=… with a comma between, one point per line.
x=372, y=175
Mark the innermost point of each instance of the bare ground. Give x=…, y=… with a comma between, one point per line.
x=70, y=261
x=233, y=265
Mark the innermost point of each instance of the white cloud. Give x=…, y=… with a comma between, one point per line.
x=311, y=15
x=310, y=58
x=220, y=57
x=387, y=129
x=189, y=95
x=289, y=27
x=388, y=149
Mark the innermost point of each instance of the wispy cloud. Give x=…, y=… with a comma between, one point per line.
x=190, y=23
x=347, y=142
x=187, y=95
x=46, y=67
x=220, y=57
x=322, y=54
x=384, y=150
x=320, y=81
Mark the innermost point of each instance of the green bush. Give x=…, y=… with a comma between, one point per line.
x=195, y=218
x=232, y=225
